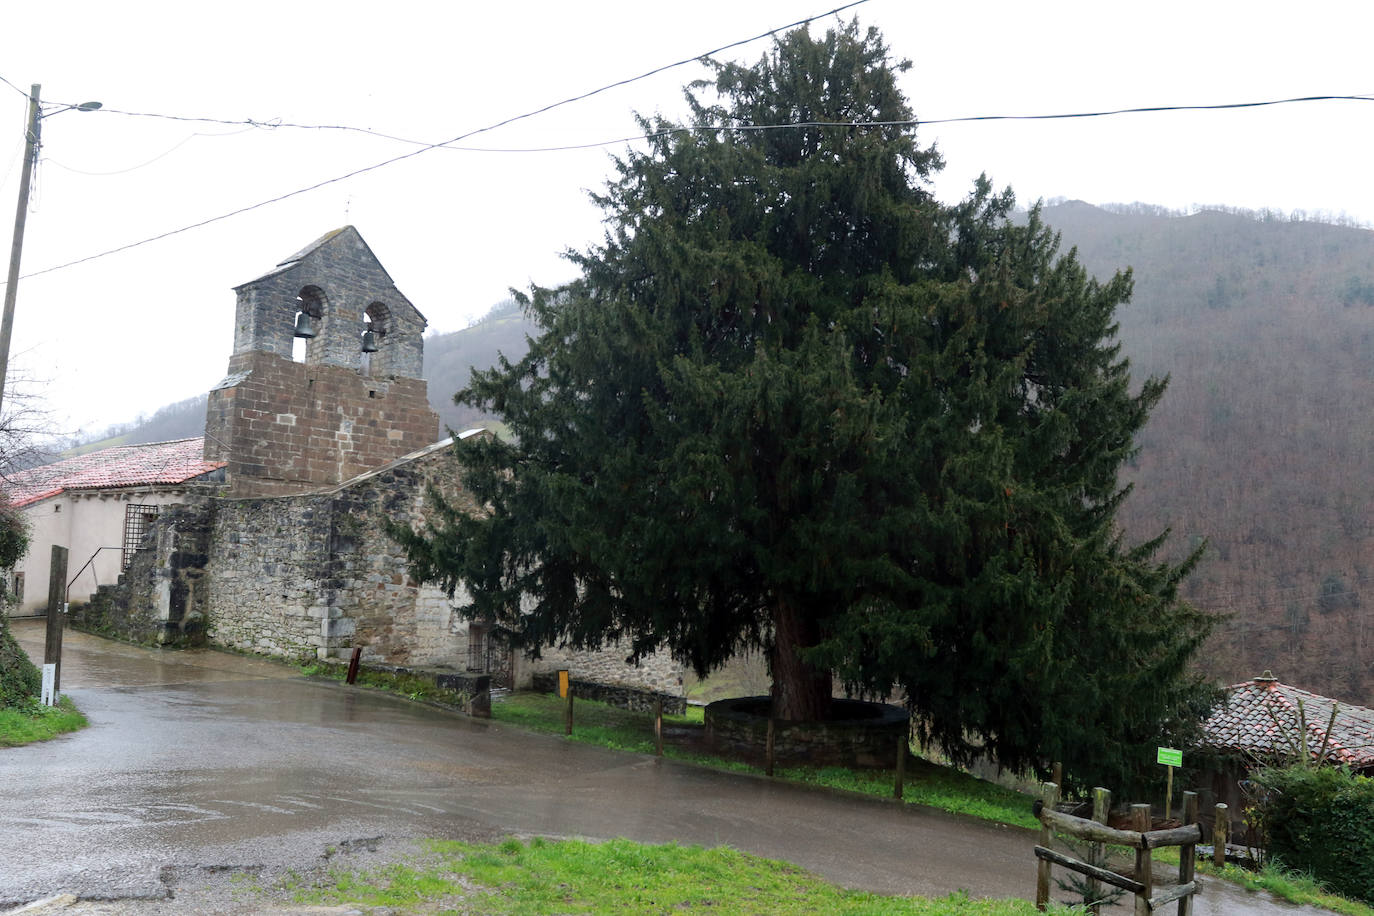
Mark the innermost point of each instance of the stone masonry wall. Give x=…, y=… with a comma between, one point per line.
x=314, y=576
x=657, y=673
x=338, y=280
x=286, y=427
x=271, y=578
x=162, y=597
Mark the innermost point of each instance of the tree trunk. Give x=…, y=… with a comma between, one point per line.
x=801, y=692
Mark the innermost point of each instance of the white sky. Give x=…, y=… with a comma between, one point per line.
x=125, y=334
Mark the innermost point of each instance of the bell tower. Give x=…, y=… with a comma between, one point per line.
x=356, y=401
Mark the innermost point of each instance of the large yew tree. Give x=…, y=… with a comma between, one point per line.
x=796, y=405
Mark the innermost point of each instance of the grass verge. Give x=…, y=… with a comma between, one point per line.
x=926, y=783
x=621, y=877
x=35, y=722
x=1295, y=887
x=410, y=686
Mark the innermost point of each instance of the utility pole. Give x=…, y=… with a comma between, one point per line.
x=17, y=244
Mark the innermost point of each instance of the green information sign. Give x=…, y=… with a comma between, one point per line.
x=1170, y=757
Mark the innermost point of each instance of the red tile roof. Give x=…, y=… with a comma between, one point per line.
x=121, y=466
x=1245, y=723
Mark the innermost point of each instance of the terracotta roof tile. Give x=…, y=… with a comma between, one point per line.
x=121, y=466
x=1245, y=723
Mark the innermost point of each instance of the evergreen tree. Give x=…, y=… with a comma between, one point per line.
x=795, y=404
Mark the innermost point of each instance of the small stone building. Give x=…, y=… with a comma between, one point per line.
x=320, y=448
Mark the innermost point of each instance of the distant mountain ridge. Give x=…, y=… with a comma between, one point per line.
x=1263, y=445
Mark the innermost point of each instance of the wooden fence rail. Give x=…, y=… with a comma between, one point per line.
x=1142, y=839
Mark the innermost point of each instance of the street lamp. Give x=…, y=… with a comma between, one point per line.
x=36, y=117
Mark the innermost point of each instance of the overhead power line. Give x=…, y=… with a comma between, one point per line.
x=277, y=123
x=741, y=128
x=460, y=137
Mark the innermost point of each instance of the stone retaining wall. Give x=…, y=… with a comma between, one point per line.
x=656, y=673
x=615, y=695
x=739, y=727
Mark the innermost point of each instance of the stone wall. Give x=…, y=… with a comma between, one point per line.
x=657, y=673
x=162, y=597
x=287, y=427
x=866, y=735
x=635, y=698
x=314, y=576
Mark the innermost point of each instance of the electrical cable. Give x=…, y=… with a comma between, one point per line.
x=425, y=149
x=528, y=114
x=14, y=87
x=157, y=158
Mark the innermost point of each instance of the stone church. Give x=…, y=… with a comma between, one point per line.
x=322, y=428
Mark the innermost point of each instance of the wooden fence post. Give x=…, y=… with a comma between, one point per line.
x=1097, y=852
x=57, y=616
x=901, y=767
x=768, y=748
x=1221, y=834
x=1187, y=854
x=568, y=714
x=1049, y=796
x=658, y=727
x=1140, y=822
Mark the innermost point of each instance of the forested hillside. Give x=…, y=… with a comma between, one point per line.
x=449, y=359
x=1262, y=445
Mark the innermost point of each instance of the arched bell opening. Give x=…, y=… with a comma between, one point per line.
x=377, y=327
x=310, y=309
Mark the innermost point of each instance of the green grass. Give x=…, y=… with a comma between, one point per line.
x=926, y=783
x=34, y=722
x=616, y=877
x=410, y=686
x=1295, y=887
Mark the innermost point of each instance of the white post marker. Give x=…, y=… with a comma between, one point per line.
x=49, y=678
x=1170, y=758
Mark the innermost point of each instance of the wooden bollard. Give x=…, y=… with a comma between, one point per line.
x=568, y=714
x=1097, y=852
x=1221, y=834
x=1140, y=822
x=1049, y=796
x=768, y=748
x=353, y=662
x=901, y=767
x=1187, y=853
x=658, y=728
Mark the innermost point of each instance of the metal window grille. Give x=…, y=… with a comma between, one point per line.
x=477, y=647
x=137, y=520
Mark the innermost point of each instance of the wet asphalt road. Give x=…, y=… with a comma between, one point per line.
x=197, y=759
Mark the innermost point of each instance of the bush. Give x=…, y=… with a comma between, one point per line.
x=19, y=679
x=1321, y=820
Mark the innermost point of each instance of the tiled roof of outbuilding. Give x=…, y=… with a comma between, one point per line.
x=154, y=463
x=1245, y=723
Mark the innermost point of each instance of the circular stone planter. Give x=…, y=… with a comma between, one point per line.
x=859, y=734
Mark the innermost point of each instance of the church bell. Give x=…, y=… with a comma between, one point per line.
x=305, y=328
